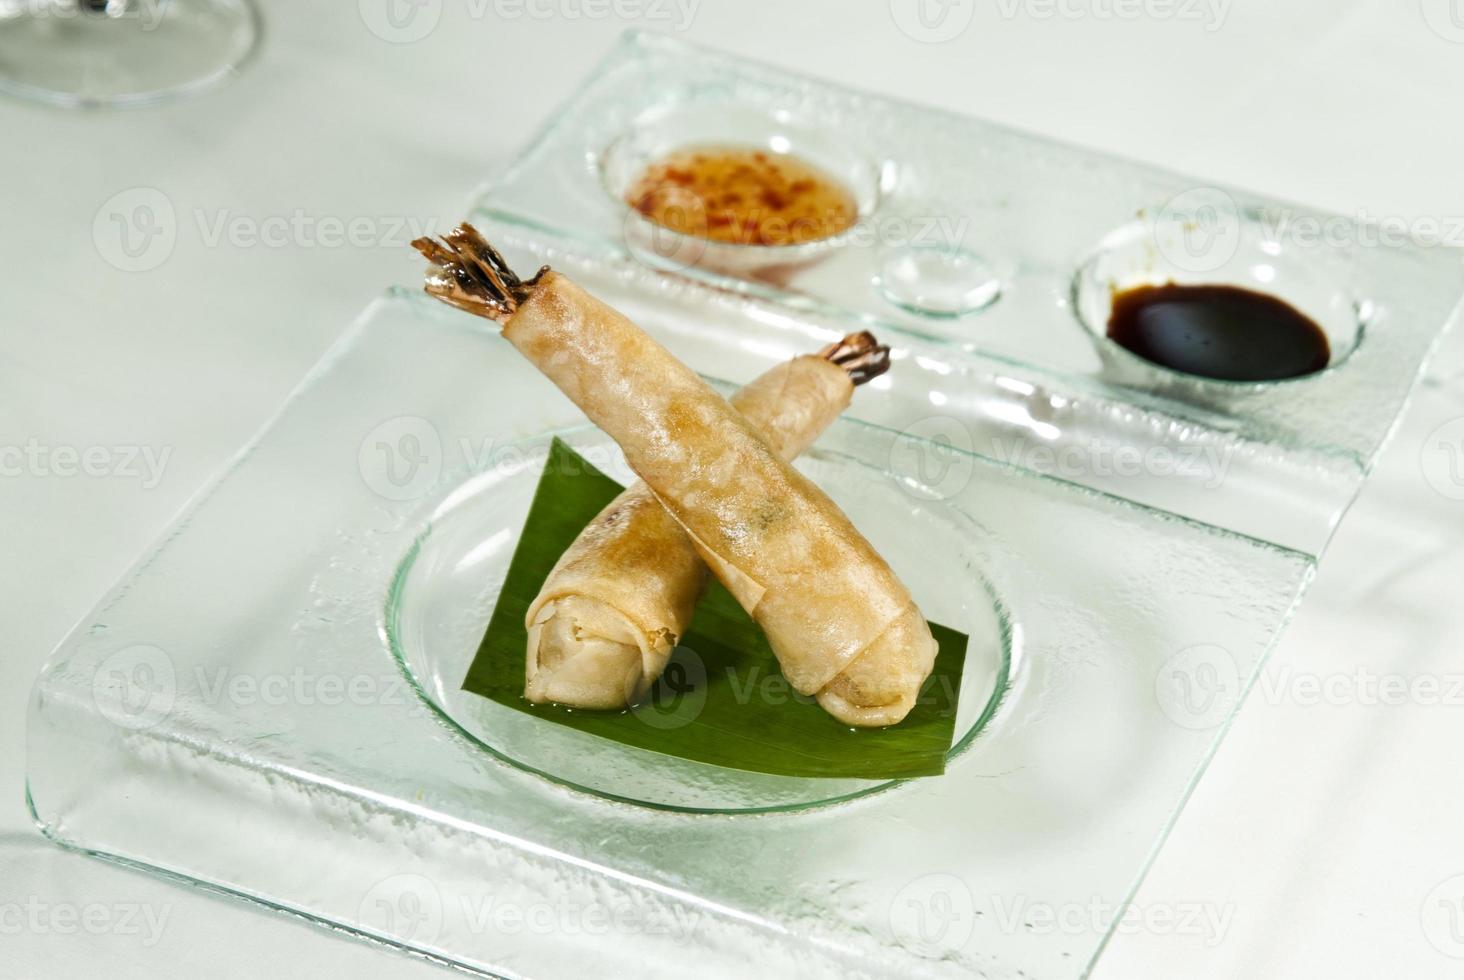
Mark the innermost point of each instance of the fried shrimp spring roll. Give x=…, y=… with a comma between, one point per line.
x=843, y=627
x=607, y=617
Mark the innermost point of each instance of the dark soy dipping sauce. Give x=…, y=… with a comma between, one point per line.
x=1223, y=332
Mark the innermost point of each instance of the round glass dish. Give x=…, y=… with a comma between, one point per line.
x=663, y=131
x=1235, y=248
x=447, y=585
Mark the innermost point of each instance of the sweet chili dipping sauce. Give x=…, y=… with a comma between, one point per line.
x=1222, y=332
x=744, y=196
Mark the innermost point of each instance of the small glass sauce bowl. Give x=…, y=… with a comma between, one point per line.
x=1231, y=247
x=663, y=132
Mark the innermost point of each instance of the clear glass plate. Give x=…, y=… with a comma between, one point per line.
x=445, y=590
x=239, y=685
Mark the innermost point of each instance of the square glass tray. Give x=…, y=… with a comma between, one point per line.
x=267, y=701
x=1056, y=228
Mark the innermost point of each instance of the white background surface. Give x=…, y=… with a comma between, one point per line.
x=1322, y=828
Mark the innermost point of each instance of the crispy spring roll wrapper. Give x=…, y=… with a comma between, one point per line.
x=615, y=605
x=843, y=627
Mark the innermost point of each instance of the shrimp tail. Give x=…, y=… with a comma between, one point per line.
x=471, y=275
x=859, y=354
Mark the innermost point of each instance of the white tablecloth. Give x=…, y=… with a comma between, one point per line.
x=1326, y=832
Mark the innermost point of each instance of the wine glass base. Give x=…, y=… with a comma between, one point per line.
x=143, y=52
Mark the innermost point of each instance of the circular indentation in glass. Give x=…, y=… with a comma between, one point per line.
x=1222, y=251
x=446, y=587
x=938, y=280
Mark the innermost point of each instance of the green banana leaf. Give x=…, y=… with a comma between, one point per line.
x=722, y=699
